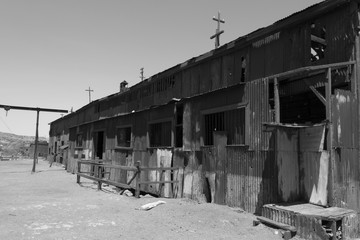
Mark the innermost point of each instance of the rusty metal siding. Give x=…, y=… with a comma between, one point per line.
x=346, y=136
x=340, y=32
x=293, y=42
x=346, y=179
x=344, y=118
x=257, y=95
x=215, y=74
x=274, y=57
x=186, y=83
x=195, y=77
x=205, y=83
x=228, y=70
x=251, y=178
x=257, y=65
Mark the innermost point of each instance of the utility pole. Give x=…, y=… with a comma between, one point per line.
x=89, y=90
x=218, y=32
x=7, y=108
x=142, y=74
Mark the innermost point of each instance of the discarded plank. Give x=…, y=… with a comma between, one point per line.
x=277, y=224
x=149, y=206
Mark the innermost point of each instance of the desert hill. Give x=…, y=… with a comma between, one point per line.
x=12, y=144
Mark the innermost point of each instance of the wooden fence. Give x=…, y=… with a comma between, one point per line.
x=98, y=170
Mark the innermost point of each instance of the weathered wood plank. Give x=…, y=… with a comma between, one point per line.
x=154, y=182
x=277, y=224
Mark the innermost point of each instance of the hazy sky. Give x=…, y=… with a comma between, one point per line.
x=51, y=51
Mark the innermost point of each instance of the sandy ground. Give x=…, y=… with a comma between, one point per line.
x=50, y=205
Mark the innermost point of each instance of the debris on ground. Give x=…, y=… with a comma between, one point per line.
x=149, y=206
x=128, y=193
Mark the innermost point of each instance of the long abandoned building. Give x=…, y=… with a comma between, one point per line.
x=271, y=117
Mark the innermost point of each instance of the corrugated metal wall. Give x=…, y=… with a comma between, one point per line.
x=251, y=178
x=346, y=163
x=257, y=96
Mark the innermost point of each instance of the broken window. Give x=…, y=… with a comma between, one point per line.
x=179, y=126
x=232, y=121
x=302, y=108
x=318, y=42
x=123, y=137
x=160, y=134
x=243, y=69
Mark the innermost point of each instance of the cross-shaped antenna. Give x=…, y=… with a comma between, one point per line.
x=89, y=90
x=218, y=32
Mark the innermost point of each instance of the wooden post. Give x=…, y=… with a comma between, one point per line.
x=36, y=141
x=98, y=174
x=78, y=171
x=328, y=88
x=7, y=108
x=137, y=190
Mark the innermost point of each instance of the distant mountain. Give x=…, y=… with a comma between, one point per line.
x=12, y=144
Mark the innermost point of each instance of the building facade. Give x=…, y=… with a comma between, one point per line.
x=270, y=117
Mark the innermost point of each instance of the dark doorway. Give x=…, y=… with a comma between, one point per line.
x=99, y=145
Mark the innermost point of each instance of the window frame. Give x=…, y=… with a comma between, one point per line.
x=163, y=120
x=243, y=105
x=77, y=146
x=117, y=146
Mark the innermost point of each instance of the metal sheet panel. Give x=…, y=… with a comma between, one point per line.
x=345, y=117
x=346, y=179
x=215, y=74
x=287, y=162
x=314, y=169
x=251, y=178
x=257, y=93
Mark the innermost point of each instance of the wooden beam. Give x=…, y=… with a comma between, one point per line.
x=277, y=224
x=316, y=92
x=318, y=95
x=310, y=69
x=318, y=40
x=157, y=182
x=6, y=107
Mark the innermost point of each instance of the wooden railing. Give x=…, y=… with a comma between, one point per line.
x=97, y=173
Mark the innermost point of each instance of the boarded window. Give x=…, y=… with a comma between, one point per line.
x=232, y=122
x=123, y=137
x=79, y=140
x=160, y=134
x=318, y=42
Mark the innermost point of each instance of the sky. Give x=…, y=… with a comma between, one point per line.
x=51, y=51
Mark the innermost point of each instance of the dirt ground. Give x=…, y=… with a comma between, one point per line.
x=49, y=204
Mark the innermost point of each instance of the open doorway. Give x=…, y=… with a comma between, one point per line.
x=99, y=145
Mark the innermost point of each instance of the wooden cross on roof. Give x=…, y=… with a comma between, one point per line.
x=218, y=32
x=89, y=90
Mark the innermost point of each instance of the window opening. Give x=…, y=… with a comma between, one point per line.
x=232, y=121
x=271, y=101
x=318, y=42
x=303, y=108
x=123, y=137
x=99, y=145
x=78, y=140
x=243, y=69
x=179, y=126
x=160, y=134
